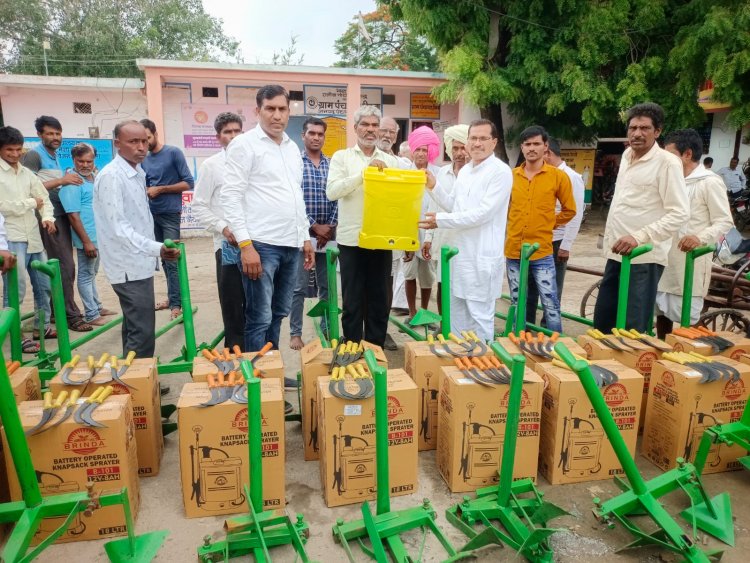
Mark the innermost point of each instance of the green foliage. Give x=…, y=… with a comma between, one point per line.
x=394, y=46
x=575, y=65
x=104, y=37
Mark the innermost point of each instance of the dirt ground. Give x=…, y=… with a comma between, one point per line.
x=581, y=538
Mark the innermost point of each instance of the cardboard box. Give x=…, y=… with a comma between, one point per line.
x=680, y=408
x=347, y=442
x=595, y=350
x=26, y=384
x=471, y=430
x=573, y=447
x=144, y=390
x=682, y=344
x=533, y=359
x=315, y=361
x=214, y=455
x=271, y=364
x=424, y=368
x=70, y=455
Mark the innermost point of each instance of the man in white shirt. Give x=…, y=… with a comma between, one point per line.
x=649, y=206
x=265, y=209
x=425, y=148
x=710, y=219
x=22, y=195
x=210, y=214
x=125, y=234
x=365, y=273
x=733, y=177
x=477, y=210
x=563, y=236
x=455, y=139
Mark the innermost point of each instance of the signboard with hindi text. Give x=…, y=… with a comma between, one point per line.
x=198, y=133
x=321, y=99
x=423, y=106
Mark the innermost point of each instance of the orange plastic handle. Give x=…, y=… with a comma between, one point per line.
x=458, y=363
x=513, y=338
x=257, y=373
x=208, y=355
x=554, y=336
x=227, y=355
x=232, y=379
x=220, y=380
x=529, y=337
x=267, y=348
x=495, y=362
x=237, y=351
x=211, y=380
x=13, y=367
x=540, y=337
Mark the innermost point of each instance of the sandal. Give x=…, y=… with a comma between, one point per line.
x=29, y=346
x=81, y=326
x=161, y=305
x=176, y=312
x=48, y=333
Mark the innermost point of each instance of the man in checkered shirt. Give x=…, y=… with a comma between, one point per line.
x=323, y=217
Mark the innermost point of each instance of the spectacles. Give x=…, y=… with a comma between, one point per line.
x=479, y=139
x=388, y=131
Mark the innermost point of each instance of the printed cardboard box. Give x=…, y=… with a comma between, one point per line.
x=26, y=384
x=595, y=350
x=70, y=455
x=533, y=359
x=471, y=430
x=424, y=368
x=214, y=455
x=573, y=446
x=347, y=442
x=143, y=380
x=271, y=364
x=680, y=408
x=315, y=361
x=741, y=345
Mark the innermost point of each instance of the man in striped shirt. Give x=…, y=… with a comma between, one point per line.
x=322, y=215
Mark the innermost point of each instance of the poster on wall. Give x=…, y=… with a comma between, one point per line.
x=103, y=148
x=423, y=106
x=321, y=99
x=335, y=135
x=188, y=222
x=582, y=161
x=198, y=133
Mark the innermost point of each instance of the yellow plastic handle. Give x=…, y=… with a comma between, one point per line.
x=129, y=358
x=48, y=400
x=334, y=343
x=102, y=360
x=74, y=396
x=91, y=362
x=430, y=339
x=95, y=395
x=108, y=390
x=113, y=362
x=60, y=399
x=453, y=337
x=351, y=371
x=73, y=361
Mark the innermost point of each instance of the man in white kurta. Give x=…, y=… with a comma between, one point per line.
x=710, y=219
x=477, y=211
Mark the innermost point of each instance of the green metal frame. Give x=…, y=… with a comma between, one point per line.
x=329, y=308
x=624, y=287
x=712, y=515
x=513, y=513
x=255, y=532
x=687, y=285
x=733, y=434
x=384, y=528
x=27, y=514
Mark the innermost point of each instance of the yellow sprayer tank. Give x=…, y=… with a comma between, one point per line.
x=393, y=204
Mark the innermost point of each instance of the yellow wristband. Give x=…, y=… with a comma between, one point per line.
x=245, y=243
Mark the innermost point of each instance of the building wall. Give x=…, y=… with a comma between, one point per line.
x=722, y=142
x=21, y=106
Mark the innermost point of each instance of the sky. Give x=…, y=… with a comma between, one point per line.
x=263, y=28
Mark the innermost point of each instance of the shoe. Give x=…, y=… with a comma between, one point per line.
x=390, y=344
x=288, y=408
x=291, y=383
x=164, y=390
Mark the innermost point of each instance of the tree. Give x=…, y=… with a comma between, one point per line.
x=104, y=37
x=575, y=65
x=392, y=46
x=289, y=55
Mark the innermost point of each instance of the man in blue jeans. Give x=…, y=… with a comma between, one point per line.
x=167, y=176
x=532, y=216
x=265, y=209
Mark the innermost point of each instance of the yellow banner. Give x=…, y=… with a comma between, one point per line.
x=706, y=101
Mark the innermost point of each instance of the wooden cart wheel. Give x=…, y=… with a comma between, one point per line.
x=725, y=319
x=589, y=301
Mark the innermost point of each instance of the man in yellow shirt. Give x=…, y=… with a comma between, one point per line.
x=537, y=187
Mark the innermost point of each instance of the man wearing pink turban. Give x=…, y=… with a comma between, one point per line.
x=425, y=147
